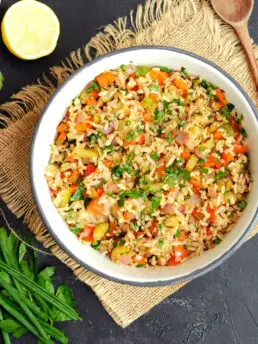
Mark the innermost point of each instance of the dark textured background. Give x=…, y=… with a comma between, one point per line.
x=218, y=308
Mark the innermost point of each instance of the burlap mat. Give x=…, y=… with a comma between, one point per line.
x=188, y=24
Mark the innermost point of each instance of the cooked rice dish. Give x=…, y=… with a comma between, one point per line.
x=150, y=166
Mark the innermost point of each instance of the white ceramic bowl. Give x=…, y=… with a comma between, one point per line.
x=44, y=137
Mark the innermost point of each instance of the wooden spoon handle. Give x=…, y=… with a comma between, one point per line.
x=244, y=37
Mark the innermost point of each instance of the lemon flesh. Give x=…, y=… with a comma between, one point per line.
x=30, y=29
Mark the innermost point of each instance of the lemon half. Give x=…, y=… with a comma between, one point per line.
x=30, y=29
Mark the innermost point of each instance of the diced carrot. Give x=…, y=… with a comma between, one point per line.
x=196, y=185
x=185, y=94
x=172, y=261
x=183, y=235
x=227, y=157
x=208, y=231
x=87, y=234
x=147, y=117
x=218, y=135
x=105, y=79
x=180, y=83
x=94, y=94
x=197, y=214
x=69, y=158
x=62, y=127
x=108, y=163
x=212, y=162
x=154, y=229
x=73, y=177
x=127, y=216
x=158, y=75
x=95, y=207
x=218, y=105
x=185, y=154
x=153, y=96
x=213, y=215
x=221, y=96
x=240, y=149
x=91, y=101
x=140, y=140
x=139, y=259
x=100, y=191
x=73, y=187
x=89, y=170
x=81, y=127
x=161, y=171
x=61, y=138
x=180, y=252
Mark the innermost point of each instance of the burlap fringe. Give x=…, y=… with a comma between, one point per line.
x=134, y=30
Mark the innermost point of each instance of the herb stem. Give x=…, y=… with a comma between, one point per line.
x=5, y=335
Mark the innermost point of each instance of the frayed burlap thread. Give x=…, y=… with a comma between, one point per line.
x=189, y=24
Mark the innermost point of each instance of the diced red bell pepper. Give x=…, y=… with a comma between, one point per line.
x=87, y=234
x=89, y=170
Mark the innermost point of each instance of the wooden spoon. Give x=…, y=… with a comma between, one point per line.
x=237, y=13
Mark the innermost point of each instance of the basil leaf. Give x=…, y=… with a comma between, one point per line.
x=93, y=86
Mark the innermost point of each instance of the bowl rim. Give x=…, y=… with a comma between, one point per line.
x=172, y=281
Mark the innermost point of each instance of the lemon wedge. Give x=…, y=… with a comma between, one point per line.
x=30, y=29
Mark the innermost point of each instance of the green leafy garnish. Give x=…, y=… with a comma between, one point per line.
x=181, y=124
x=155, y=201
x=154, y=87
x=139, y=265
x=217, y=241
x=165, y=69
x=243, y=132
x=78, y=195
x=134, y=194
x=178, y=233
x=159, y=115
x=142, y=71
x=165, y=104
x=154, y=156
x=227, y=111
x=160, y=243
x=183, y=70
x=204, y=170
x=177, y=101
x=220, y=175
x=169, y=138
x=93, y=86
x=123, y=67
x=242, y=204
x=76, y=229
x=130, y=135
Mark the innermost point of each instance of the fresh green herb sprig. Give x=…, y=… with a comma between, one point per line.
x=28, y=297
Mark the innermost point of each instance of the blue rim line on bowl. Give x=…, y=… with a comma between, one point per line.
x=196, y=273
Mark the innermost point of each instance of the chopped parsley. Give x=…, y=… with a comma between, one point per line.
x=78, y=195
x=93, y=86
x=123, y=67
x=93, y=138
x=165, y=104
x=154, y=156
x=183, y=70
x=169, y=138
x=201, y=148
x=134, y=194
x=165, y=69
x=122, y=242
x=243, y=132
x=204, y=170
x=139, y=129
x=174, y=173
x=242, y=204
x=217, y=241
x=130, y=135
x=159, y=115
x=139, y=265
x=220, y=175
x=155, y=201
x=76, y=229
x=160, y=243
x=227, y=110
x=181, y=124
x=178, y=233
x=177, y=101
x=142, y=71
x=154, y=88
x=109, y=148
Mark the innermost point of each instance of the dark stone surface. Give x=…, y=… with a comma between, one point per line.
x=218, y=308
